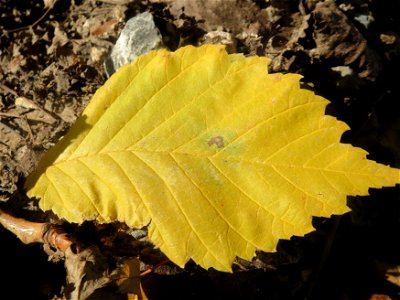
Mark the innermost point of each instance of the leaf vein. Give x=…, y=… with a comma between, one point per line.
x=210, y=202
x=84, y=193
x=192, y=100
x=129, y=179
x=168, y=83
x=181, y=210
x=297, y=139
x=295, y=185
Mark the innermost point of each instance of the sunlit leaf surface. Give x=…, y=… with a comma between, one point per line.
x=218, y=156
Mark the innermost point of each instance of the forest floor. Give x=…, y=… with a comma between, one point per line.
x=51, y=63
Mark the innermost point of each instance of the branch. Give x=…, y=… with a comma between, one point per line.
x=33, y=232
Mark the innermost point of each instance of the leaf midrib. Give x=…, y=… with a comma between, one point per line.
x=225, y=159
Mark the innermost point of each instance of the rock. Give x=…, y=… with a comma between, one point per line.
x=140, y=35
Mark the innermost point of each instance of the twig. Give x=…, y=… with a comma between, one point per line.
x=27, y=232
x=154, y=267
x=9, y=115
x=33, y=232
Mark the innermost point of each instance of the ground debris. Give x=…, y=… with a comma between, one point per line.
x=51, y=63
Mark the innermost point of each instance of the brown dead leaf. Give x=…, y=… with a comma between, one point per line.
x=104, y=28
x=59, y=40
x=16, y=63
x=36, y=114
x=224, y=14
x=334, y=35
x=10, y=137
x=87, y=272
x=390, y=272
x=91, y=275
x=49, y=3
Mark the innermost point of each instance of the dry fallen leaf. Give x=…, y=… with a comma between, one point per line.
x=49, y=3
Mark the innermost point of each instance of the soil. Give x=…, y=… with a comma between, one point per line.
x=51, y=63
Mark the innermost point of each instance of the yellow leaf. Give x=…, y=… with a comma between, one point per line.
x=218, y=156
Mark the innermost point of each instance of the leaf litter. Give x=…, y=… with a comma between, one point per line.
x=352, y=100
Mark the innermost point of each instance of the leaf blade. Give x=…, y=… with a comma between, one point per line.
x=218, y=156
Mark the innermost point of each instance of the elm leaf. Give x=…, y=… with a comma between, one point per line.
x=218, y=156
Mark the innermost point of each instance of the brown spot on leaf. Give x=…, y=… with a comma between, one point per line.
x=217, y=140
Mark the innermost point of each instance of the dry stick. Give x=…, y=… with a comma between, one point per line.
x=32, y=232
x=10, y=115
x=154, y=267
